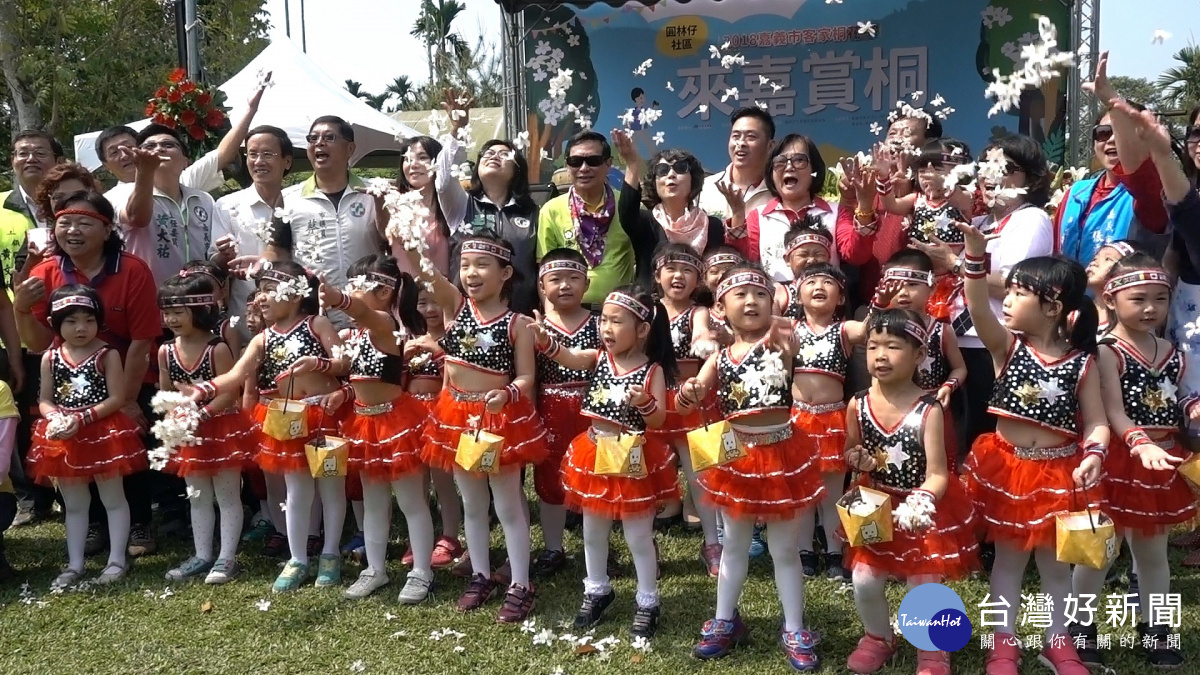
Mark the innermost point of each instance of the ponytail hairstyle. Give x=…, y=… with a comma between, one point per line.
x=198, y=293
x=902, y=323
x=827, y=270
x=71, y=299
x=490, y=239
x=383, y=271
x=669, y=253
x=220, y=276
x=659, y=347
x=1056, y=279
x=1134, y=262
x=311, y=304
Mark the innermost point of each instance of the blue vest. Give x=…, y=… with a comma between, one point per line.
x=1111, y=219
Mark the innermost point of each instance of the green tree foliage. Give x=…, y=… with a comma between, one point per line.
x=1182, y=83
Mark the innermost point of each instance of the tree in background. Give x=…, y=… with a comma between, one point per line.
x=443, y=45
x=1182, y=83
x=403, y=90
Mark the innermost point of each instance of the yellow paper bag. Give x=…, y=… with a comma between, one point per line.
x=620, y=455
x=327, y=456
x=866, y=516
x=1084, y=538
x=1190, y=470
x=286, y=419
x=714, y=444
x=479, y=451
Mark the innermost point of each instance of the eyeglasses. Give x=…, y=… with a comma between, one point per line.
x=576, y=161
x=1101, y=133
x=798, y=160
x=316, y=138
x=501, y=153
x=161, y=145
x=266, y=156
x=1192, y=135
x=680, y=166
x=32, y=154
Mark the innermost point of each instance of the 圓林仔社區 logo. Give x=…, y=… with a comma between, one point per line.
x=932, y=617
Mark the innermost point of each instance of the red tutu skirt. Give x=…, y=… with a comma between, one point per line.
x=276, y=456
x=1142, y=499
x=938, y=305
x=948, y=549
x=1017, y=500
x=106, y=448
x=455, y=412
x=618, y=497
x=559, y=406
x=776, y=480
x=385, y=439
x=676, y=426
x=822, y=430
x=226, y=441
x=425, y=401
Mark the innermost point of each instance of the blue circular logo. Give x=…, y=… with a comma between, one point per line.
x=932, y=617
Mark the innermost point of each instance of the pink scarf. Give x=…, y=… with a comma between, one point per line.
x=690, y=229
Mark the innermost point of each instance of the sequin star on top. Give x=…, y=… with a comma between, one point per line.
x=585, y=336
x=608, y=393
x=681, y=334
x=204, y=368
x=757, y=382
x=823, y=353
x=935, y=220
x=933, y=371
x=370, y=364
x=1044, y=393
x=281, y=350
x=486, y=346
x=1150, y=392
x=903, y=444
x=77, y=387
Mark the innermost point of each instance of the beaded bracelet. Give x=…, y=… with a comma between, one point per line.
x=550, y=348
x=208, y=388
x=344, y=303
x=514, y=392
x=923, y=492
x=206, y=413
x=972, y=267
x=1094, y=448
x=1135, y=436
x=347, y=389
x=648, y=409
x=971, y=257
x=953, y=383
x=88, y=415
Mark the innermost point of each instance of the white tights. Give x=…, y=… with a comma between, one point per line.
x=871, y=601
x=639, y=535
x=1009, y=569
x=834, y=483
x=510, y=510
x=77, y=498
x=1150, y=561
x=377, y=519
x=225, y=486
x=704, y=511
x=448, y=502
x=301, y=490
x=785, y=556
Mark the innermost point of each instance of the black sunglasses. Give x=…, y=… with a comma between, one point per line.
x=1101, y=133
x=576, y=161
x=1192, y=135
x=681, y=166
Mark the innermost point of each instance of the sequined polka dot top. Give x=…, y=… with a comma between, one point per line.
x=368, y=364
x=904, y=443
x=204, y=368
x=78, y=387
x=757, y=382
x=681, y=334
x=923, y=223
x=1044, y=393
x=432, y=369
x=823, y=353
x=281, y=350
x=486, y=346
x=793, y=310
x=608, y=393
x=933, y=371
x=1149, y=391
x=585, y=336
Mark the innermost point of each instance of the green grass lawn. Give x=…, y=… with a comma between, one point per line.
x=135, y=626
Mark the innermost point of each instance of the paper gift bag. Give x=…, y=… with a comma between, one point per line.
x=286, y=419
x=1190, y=470
x=1086, y=538
x=620, y=455
x=479, y=451
x=866, y=516
x=714, y=444
x=327, y=456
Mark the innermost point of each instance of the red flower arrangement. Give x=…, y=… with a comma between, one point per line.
x=195, y=109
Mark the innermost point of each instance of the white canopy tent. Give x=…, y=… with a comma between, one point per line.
x=301, y=93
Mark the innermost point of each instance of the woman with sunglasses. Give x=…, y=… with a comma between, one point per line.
x=1122, y=202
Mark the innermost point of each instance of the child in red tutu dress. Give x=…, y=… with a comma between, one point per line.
x=212, y=467
x=894, y=437
x=384, y=429
x=627, y=394
x=490, y=387
x=1046, y=456
x=562, y=280
x=290, y=360
x=83, y=436
x=776, y=481
x=1143, y=376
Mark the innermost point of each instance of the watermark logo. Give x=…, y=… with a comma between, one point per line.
x=932, y=617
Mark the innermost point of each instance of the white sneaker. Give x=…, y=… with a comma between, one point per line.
x=415, y=590
x=368, y=582
x=67, y=577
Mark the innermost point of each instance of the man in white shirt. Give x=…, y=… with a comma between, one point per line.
x=751, y=138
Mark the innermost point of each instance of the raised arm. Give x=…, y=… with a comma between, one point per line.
x=991, y=332
x=1130, y=152
x=445, y=294
x=139, y=210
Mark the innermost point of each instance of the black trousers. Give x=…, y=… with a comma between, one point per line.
x=981, y=377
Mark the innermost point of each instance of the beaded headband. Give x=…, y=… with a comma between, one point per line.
x=381, y=278
x=680, y=258
x=72, y=301
x=1137, y=278
x=744, y=279
x=276, y=276
x=485, y=246
x=561, y=266
x=1036, y=285
x=917, y=331
x=722, y=259
x=630, y=303
x=907, y=274
x=806, y=275
x=198, y=300
x=808, y=239
x=1121, y=247
x=82, y=212
x=200, y=272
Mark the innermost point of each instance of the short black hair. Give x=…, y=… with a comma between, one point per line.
x=895, y=322
x=758, y=114
x=637, y=91
x=518, y=185
x=58, y=317
x=286, y=149
x=811, y=223
x=816, y=164
x=28, y=134
x=911, y=258
x=588, y=137
x=344, y=128
x=111, y=133
x=1026, y=153
x=563, y=253
x=160, y=130
x=204, y=317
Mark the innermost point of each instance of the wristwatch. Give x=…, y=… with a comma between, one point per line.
x=956, y=268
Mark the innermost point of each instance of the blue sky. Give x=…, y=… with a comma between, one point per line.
x=345, y=37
